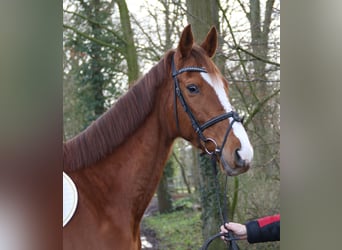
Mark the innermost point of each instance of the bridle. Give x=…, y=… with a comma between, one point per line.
x=217, y=152
x=195, y=124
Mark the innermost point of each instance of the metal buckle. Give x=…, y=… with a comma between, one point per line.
x=210, y=140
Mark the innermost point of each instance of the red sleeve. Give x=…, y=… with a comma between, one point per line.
x=268, y=220
x=264, y=229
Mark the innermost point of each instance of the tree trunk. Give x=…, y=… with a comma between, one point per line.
x=130, y=49
x=164, y=196
x=203, y=14
x=186, y=183
x=259, y=45
x=195, y=170
x=211, y=217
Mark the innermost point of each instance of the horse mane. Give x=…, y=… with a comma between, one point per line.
x=122, y=119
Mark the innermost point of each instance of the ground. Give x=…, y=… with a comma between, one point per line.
x=148, y=239
x=148, y=236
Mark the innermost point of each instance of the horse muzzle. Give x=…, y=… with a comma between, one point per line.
x=235, y=166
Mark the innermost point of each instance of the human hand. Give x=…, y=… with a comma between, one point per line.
x=239, y=230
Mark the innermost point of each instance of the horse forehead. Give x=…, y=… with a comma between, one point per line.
x=217, y=84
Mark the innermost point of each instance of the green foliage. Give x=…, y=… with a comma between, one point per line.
x=163, y=192
x=91, y=78
x=179, y=230
x=169, y=169
x=186, y=203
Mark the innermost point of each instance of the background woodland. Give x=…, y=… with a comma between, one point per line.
x=107, y=45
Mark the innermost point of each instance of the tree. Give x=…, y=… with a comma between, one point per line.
x=256, y=93
x=255, y=86
x=260, y=32
x=163, y=194
x=130, y=49
x=95, y=49
x=201, y=20
x=91, y=52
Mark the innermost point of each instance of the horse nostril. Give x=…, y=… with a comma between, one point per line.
x=238, y=160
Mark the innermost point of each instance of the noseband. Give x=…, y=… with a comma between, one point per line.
x=195, y=124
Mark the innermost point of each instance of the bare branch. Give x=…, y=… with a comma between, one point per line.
x=248, y=15
x=238, y=47
x=97, y=23
x=259, y=106
x=183, y=171
x=237, y=51
x=100, y=42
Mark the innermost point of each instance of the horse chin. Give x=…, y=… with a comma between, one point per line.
x=228, y=170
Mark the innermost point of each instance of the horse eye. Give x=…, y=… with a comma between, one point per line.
x=193, y=89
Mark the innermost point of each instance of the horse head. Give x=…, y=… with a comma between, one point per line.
x=202, y=111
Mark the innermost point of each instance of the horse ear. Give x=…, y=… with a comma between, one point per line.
x=186, y=41
x=210, y=42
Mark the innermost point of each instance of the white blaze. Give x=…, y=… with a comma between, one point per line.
x=246, y=151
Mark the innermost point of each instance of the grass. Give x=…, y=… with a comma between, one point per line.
x=179, y=230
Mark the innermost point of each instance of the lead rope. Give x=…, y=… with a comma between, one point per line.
x=228, y=236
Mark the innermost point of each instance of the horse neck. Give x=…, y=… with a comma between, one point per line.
x=130, y=175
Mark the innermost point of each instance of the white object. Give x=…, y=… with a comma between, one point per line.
x=70, y=198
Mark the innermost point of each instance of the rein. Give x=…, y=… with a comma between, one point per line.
x=214, y=154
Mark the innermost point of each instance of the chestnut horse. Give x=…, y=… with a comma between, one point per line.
x=116, y=163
